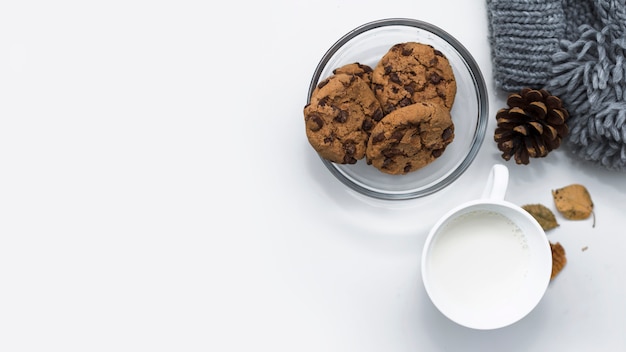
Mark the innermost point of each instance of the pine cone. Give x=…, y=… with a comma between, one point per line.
x=533, y=125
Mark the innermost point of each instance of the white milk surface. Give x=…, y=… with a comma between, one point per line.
x=478, y=261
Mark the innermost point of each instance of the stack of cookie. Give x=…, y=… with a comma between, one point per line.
x=396, y=115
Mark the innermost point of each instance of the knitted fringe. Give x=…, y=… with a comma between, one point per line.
x=589, y=76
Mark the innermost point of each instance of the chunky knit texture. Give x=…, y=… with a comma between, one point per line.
x=576, y=49
x=524, y=34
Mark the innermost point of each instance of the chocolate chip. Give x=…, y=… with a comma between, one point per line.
x=367, y=125
x=315, y=123
x=391, y=152
x=405, y=102
x=378, y=138
x=393, y=77
x=323, y=83
x=323, y=101
x=407, y=168
x=349, y=159
x=397, y=135
x=342, y=116
x=434, y=61
x=329, y=139
x=438, y=53
x=406, y=51
x=388, y=69
x=378, y=115
x=365, y=68
x=349, y=147
x=410, y=88
x=447, y=134
x=435, y=78
x=377, y=87
x=437, y=152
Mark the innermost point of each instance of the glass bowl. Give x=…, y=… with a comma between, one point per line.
x=367, y=44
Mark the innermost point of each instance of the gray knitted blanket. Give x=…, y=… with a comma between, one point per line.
x=575, y=49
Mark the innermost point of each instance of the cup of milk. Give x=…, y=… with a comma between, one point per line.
x=486, y=264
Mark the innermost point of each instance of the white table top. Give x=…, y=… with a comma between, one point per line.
x=158, y=193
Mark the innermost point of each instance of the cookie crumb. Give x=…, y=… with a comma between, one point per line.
x=585, y=248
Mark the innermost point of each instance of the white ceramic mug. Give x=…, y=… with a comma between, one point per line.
x=486, y=264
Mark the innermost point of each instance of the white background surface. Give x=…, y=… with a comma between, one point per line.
x=158, y=193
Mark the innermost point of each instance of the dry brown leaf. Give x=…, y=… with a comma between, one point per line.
x=544, y=216
x=573, y=202
x=558, y=259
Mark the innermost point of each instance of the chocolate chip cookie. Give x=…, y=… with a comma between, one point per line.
x=412, y=73
x=410, y=138
x=341, y=113
x=363, y=71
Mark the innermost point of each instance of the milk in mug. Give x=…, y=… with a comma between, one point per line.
x=478, y=260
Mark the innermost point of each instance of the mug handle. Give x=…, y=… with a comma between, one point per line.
x=496, y=183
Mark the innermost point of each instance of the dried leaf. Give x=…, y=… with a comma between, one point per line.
x=558, y=259
x=544, y=216
x=573, y=202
